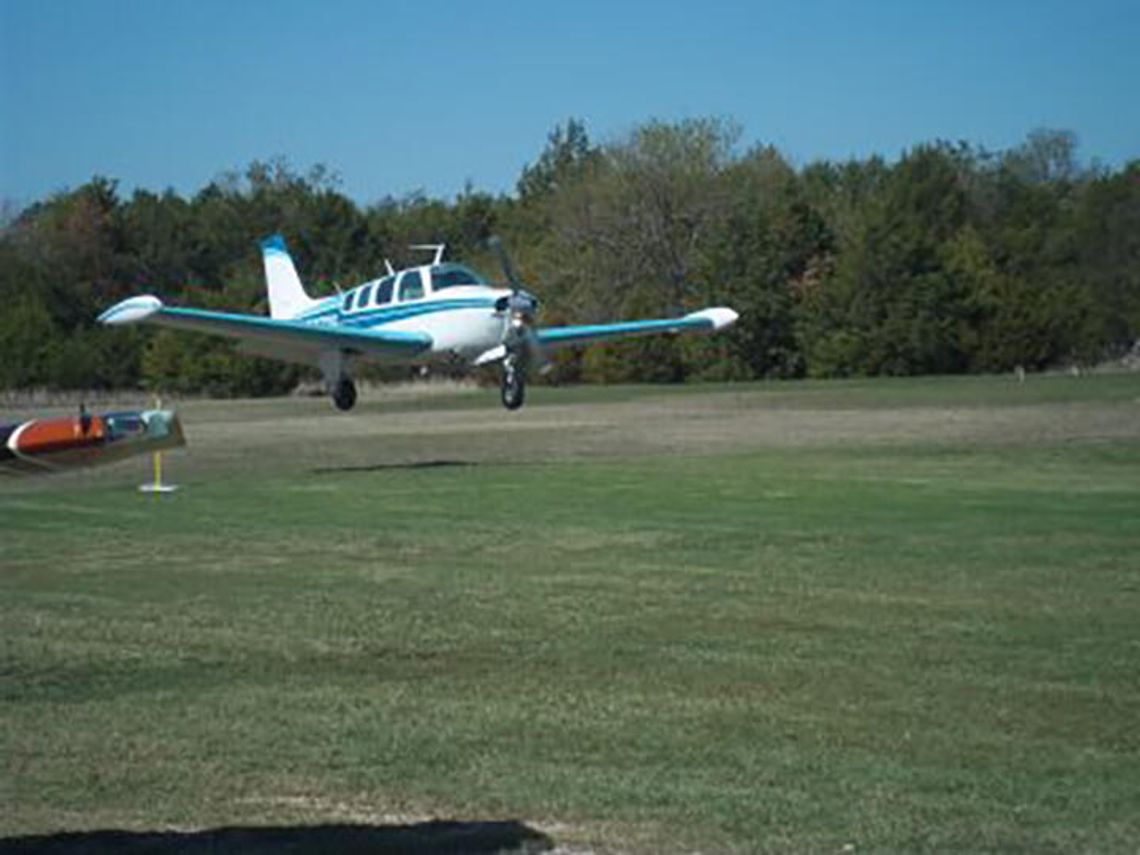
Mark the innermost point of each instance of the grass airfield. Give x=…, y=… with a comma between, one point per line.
x=862, y=616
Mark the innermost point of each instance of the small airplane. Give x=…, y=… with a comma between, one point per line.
x=39, y=446
x=436, y=312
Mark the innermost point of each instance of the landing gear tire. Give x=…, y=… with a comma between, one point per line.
x=344, y=394
x=513, y=388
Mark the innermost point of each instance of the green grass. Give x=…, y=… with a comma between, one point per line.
x=901, y=646
x=968, y=391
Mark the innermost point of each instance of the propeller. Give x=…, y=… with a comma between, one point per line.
x=519, y=309
x=520, y=301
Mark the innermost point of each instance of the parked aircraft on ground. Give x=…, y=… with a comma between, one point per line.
x=436, y=312
x=55, y=444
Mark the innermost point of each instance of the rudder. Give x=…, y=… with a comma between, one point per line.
x=287, y=297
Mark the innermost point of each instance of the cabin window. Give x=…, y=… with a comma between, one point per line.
x=451, y=275
x=384, y=290
x=348, y=298
x=411, y=286
x=365, y=293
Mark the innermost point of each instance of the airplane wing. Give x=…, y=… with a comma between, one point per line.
x=706, y=320
x=296, y=341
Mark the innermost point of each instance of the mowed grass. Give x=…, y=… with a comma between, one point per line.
x=892, y=646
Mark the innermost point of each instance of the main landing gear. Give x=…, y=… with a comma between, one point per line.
x=344, y=394
x=514, y=384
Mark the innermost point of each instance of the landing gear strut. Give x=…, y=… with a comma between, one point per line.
x=344, y=394
x=514, y=384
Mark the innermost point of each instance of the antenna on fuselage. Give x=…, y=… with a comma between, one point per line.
x=437, y=248
x=391, y=269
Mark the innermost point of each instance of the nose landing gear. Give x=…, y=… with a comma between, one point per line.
x=514, y=384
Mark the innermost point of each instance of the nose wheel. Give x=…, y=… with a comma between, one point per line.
x=514, y=385
x=344, y=394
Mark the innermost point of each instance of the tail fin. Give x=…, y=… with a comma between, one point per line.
x=287, y=297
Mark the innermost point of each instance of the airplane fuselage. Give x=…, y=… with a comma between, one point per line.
x=462, y=321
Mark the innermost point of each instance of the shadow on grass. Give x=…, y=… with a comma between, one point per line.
x=380, y=467
x=424, y=837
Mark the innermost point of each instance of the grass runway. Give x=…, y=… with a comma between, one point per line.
x=888, y=615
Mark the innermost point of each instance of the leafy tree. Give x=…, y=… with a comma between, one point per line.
x=950, y=259
x=27, y=338
x=890, y=307
x=1108, y=238
x=630, y=229
x=1047, y=156
x=771, y=248
x=567, y=155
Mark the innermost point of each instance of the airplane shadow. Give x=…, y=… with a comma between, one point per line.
x=381, y=467
x=436, y=836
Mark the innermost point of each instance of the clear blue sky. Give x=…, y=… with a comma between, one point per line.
x=399, y=96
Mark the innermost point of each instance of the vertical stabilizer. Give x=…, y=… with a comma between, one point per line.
x=287, y=297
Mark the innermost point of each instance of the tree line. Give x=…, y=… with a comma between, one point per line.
x=951, y=259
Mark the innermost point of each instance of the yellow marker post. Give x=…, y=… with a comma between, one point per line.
x=157, y=486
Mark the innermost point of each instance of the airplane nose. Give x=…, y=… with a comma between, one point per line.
x=520, y=302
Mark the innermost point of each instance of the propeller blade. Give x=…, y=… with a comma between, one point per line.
x=519, y=310
x=504, y=262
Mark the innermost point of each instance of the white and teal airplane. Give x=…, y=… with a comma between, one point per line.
x=437, y=312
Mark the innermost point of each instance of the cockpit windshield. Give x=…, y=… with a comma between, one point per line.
x=452, y=275
x=124, y=424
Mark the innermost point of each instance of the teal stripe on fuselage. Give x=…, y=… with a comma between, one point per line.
x=326, y=307
x=397, y=312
